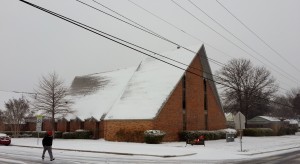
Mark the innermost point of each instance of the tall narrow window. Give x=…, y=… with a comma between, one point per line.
x=184, y=102
x=205, y=104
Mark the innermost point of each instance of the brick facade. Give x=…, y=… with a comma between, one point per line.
x=195, y=96
x=92, y=125
x=76, y=124
x=2, y=126
x=63, y=125
x=112, y=127
x=171, y=116
x=192, y=105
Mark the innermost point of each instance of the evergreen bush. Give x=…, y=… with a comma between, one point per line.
x=258, y=132
x=83, y=134
x=154, y=136
x=208, y=135
x=68, y=135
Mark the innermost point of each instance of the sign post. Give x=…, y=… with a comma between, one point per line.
x=39, y=121
x=239, y=121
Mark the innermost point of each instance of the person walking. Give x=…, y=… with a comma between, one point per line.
x=47, y=144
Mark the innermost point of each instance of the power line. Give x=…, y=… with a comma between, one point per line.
x=145, y=29
x=152, y=32
x=230, y=40
x=172, y=25
x=260, y=38
x=236, y=38
x=102, y=34
x=122, y=41
x=123, y=44
x=179, y=29
x=20, y=92
x=140, y=27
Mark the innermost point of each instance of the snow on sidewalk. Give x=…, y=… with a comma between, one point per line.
x=253, y=147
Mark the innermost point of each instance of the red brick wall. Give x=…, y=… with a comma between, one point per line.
x=2, y=126
x=101, y=129
x=93, y=126
x=75, y=125
x=62, y=125
x=31, y=126
x=170, y=118
x=46, y=125
x=195, y=96
x=216, y=117
x=111, y=127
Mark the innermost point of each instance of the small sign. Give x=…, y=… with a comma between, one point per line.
x=239, y=121
x=39, y=121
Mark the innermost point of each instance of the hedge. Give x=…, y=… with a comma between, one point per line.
x=83, y=134
x=258, y=132
x=154, y=136
x=68, y=135
x=208, y=135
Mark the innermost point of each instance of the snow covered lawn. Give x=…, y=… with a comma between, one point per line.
x=253, y=147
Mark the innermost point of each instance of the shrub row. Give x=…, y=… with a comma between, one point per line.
x=208, y=135
x=287, y=130
x=78, y=134
x=258, y=132
x=148, y=136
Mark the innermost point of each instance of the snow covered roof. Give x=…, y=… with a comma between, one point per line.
x=273, y=119
x=291, y=121
x=133, y=93
x=262, y=120
x=94, y=94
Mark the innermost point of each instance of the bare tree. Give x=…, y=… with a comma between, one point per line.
x=1, y=119
x=282, y=108
x=15, y=113
x=246, y=88
x=51, y=99
x=287, y=106
x=294, y=99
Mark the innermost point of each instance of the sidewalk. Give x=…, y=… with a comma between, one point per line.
x=253, y=147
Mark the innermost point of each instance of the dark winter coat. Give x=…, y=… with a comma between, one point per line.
x=47, y=140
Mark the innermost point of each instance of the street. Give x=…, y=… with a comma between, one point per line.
x=290, y=158
x=22, y=155
x=25, y=155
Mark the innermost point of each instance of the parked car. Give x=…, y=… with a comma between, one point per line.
x=4, y=139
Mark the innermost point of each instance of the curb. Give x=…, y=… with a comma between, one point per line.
x=115, y=153
x=272, y=151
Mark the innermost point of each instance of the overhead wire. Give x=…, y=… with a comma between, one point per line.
x=260, y=38
x=88, y=28
x=179, y=29
x=151, y=13
x=293, y=79
x=135, y=46
x=240, y=39
x=21, y=92
x=140, y=27
x=149, y=31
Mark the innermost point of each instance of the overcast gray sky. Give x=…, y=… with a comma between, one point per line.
x=33, y=43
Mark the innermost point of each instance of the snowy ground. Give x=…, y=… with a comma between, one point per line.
x=218, y=150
